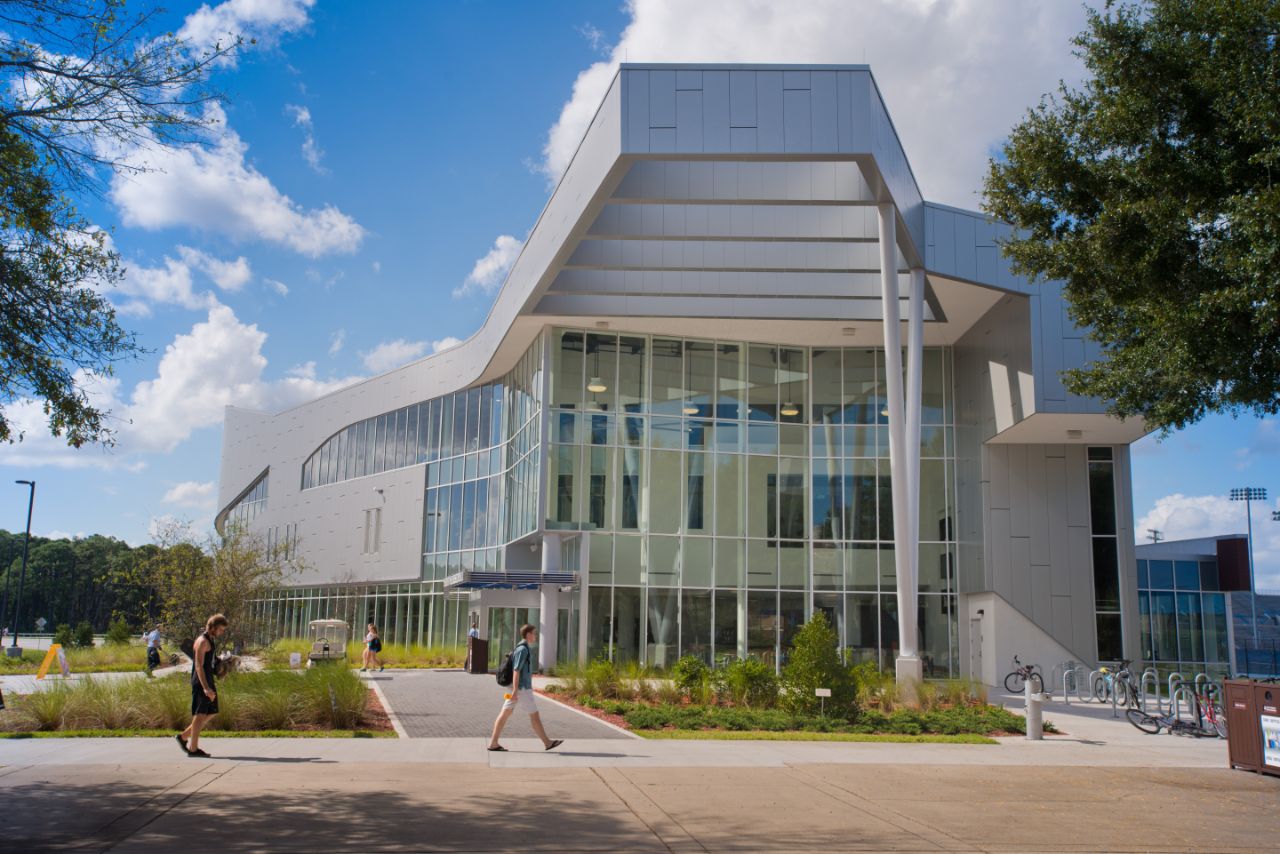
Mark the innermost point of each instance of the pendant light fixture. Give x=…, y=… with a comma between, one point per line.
x=690, y=408
x=596, y=385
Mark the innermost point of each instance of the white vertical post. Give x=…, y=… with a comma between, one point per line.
x=908, y=663
x=584, y=598
x=548, y=602
x=911, y=442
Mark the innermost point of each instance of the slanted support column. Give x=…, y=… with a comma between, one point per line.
x=911, y=443
x=905, y=540
x=584, y=598
x=548, y=602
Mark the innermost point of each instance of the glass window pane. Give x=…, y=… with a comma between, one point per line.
x=862, y=626
x=1161, y=572
x=1186, y=575
x=662, y=640
x=1102, y=499
x=935, y=506
x=666, y=433
x=695, y=562
x=1142, y=575
x=629, y=480
x=626, y=624
x=726, y=631
x=730, y=383
x=627, y=560
x=1110, y=642
x=762, y=438
x=827, y=403
x=762, y=564
x=663, y=562
x=1164, y=635
x=860, y=499
x=827, y=512
x=1190, y=630
x=762, y=384
x=859, y=398
x=599, y=496
x=600, y=561
x=667, y=381
x=762, y=626
x=697, y=493
x=699, y=377
x=932, y=388
x=862, y=566
x=631, y=373
x=762, y=485
x=567, y=382
x=1208, y=575
x=695, y=624
x=730, y=496
x=790, y=619
x=731, y=563
x=664, y=492
x=793, y=381
x=1215, y=627
x=1106, y=574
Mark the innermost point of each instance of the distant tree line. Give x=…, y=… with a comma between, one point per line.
x=177, y=581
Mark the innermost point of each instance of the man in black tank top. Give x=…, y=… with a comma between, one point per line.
x=204, y=692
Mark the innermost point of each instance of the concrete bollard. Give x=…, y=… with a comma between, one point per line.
x=1035, y=716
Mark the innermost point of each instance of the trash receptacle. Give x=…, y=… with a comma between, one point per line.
x=477, y=655
x=1244, y=741
x=1266, y=703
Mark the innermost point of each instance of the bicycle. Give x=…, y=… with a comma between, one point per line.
x=1118, y=682
x=1023, y=673
x=1214, y=726
x=1210, y=710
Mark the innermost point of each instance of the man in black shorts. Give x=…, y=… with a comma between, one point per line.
x=204, y=693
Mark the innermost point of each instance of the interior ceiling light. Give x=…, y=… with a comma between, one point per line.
x=596, y=386
x=884, y=411
x=789, y=409
x=690, y=408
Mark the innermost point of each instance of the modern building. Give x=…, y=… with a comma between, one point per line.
x=741, y=372
x=1198, y=610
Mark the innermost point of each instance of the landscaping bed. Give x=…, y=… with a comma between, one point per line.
x=108, y=658
x=746, y=696
x=320, y=700
x=395, y=656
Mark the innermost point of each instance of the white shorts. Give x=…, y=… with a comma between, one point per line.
x=522, y=700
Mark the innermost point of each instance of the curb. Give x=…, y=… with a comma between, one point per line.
x=386, y=707
x=628, y=733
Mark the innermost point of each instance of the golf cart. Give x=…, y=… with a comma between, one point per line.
x=328, y=641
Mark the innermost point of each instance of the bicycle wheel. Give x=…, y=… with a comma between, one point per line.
x=1100, y=689
x=1220, y=726
x=1013, y=683
x=1122, y=693
x=1037, y=683
x=1149, y=724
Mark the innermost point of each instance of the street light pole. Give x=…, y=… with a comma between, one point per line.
x=26, y=541
x=8, y=562
x=1248, y=495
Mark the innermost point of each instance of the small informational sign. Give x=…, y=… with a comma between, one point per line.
x=55, y=653
x=822, y=692
x=41, y=622
x=1270, y=740
x=295, y=659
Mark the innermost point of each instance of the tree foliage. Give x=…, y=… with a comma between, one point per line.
x=1151, y=192
x=228, y=575
x=85, y=90
x=815, y=663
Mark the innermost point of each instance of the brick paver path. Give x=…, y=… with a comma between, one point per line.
x=453, y=704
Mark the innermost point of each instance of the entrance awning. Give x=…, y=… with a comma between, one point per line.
x=469, y=580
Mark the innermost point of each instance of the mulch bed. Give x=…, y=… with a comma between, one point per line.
x=375, y=716
x=617, y=720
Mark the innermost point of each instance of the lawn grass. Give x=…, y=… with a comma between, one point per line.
x=168, y=733
x=394, y=656
x=109, y=658
x=766, y=735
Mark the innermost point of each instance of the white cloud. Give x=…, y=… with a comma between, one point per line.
x=62, y=535
x=311, y=151
x=445, y=343
x=191, y=493
x=263, y=21
x=228, y=275
x=219, y=363
x=393, y=354
x=279, y=287
x=955, y=74
x=594, y=36
x=1181, y=517
x=489, y=271
x=215, y=189
x=173, y=282
x=336, y=342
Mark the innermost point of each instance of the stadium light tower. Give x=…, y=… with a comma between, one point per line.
x=1248, y=495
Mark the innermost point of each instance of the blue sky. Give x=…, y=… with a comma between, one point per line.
x=377, y=164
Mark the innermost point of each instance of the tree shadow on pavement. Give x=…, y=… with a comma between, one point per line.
x=303, y=809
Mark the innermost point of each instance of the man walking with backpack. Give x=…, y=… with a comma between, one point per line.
x=517, y=672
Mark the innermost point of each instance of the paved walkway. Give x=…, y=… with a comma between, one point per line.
x=453, y=704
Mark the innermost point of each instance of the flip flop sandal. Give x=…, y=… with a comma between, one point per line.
x=498, y=749
x=553, y=745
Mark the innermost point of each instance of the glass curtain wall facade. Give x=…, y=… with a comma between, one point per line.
x=408, y=612
x=1182, y=617
x=254, y=502
x=730, y=489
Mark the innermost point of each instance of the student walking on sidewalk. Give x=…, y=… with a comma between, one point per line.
x=521, y=696
x=204, y=692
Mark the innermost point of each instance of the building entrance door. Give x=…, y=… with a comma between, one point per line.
x=503, y=625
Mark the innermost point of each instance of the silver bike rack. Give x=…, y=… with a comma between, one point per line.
x=1175, y=680
x=1069, y=674
x=1149, y=675
x=1181, y=693
x=1093, y=676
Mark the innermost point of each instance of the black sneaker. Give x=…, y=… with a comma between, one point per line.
x=198, y=754
x=182, y=744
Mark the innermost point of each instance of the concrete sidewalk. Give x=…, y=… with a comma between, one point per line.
x=302, y=805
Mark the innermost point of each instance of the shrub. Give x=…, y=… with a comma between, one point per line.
x=84, y=634
x=64, y=636
x=690, y=674
x=815, y=663
x=118, y=633
x=46, y=707
x=748, y=682
x=600, y=679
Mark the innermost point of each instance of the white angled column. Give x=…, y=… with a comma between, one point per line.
x=584, y=598
x=908, y=609
x=907, y=665
x=548, y=602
